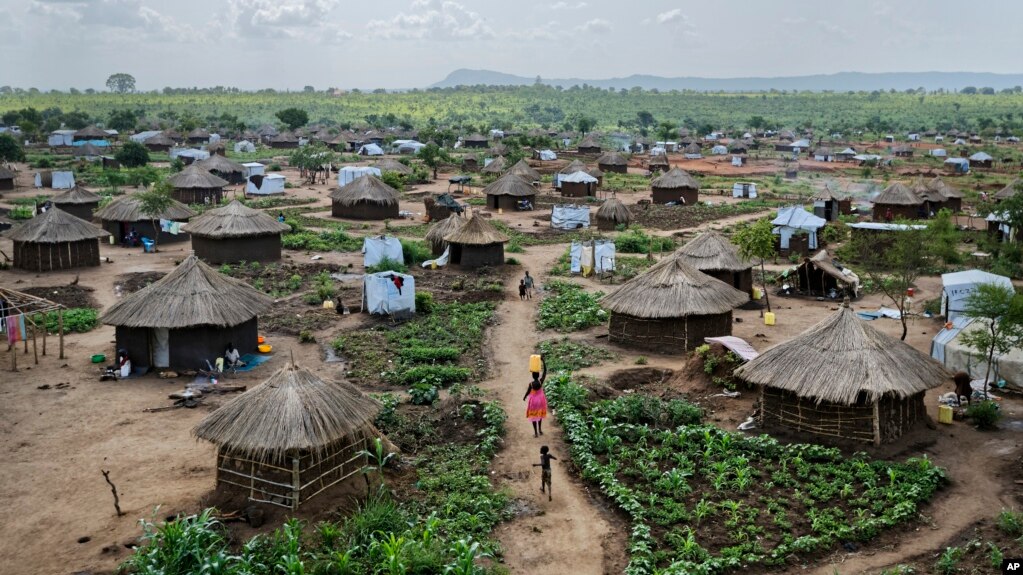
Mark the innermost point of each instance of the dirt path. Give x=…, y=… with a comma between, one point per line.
x=570, y=533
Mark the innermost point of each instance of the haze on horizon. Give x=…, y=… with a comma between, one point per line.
x=287, y=44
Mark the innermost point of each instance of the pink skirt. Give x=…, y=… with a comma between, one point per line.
x=536, y=408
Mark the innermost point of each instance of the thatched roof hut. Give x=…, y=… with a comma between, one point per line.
x=675, y=185
x=738, y=146
x=125, y=212
x=496, y=166
x=187, y=317
x=712, y=254
x=365, y=198
x=89, y=133
x=7, y=178
x=195, y=185
x=475, y=141
x=658, y=163
x=391, y=165
x=87, y=150
x=523, y=170
x=55, y=240
x=236, y=232
x=953, y=196
x=447, y=226
x=476, y=243
x=290, y=437
x=579, y=166
x=1010, y=190
x=283, y=140
x=159, y=143
x=507, y=191
x=898, y=201
x=78, y=202
x=671, y=308
x=220, y=166
x=589, y=145
x=613, y=162
x=829, y=204
x=844, y=379
x=612, y=213
x=198, y=136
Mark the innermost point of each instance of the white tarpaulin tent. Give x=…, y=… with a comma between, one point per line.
x=591, y=256
x=744, y=190
x=440, y=262
x=719, y=150
x=371, y=150
x=244, y=146
x=60, y=180
x=253, y=169
x=939, y=153
x=349, y=174
x=380, y=294
x=143, y=136
x=410, y=147
x=570, y=217
x=948, y=348
x=268, y=185
x=795, y=218
x=956, y=288
x=193, y=153
x=378, y=248
x=60, y=138
x=547, y=155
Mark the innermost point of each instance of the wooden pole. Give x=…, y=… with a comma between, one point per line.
x=60, y=328
x=296, y=483
x=44, y=334
x=877, y=426
x=14, y=358
x=35, y=352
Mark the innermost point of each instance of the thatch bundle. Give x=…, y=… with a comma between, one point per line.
x=496, y=166
x=292, y=411
x=76, y=195
x=439, y=230
x=391, y=165
x=675, y=178
x=898, y=194
x=523, y=170
x=367, y=189
x=841, y=358
x=712, y=251
x=195, y=176
x=476, y=232
x=55, y=227
x=235, y=220
x=128, y=208
x=613, y=159
x=220, y=164
x=613, y=212
x=672, y=288
x=193, y=294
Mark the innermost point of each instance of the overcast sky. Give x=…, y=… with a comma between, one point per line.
x=286, y=44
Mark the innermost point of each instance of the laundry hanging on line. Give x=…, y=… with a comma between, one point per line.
x=16, y=329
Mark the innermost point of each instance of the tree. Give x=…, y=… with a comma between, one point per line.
x=122, y=120
x=585, y=124
x=893, y=269
x=756, y=241
x=10, y=149
x=308, y=89
x=644, y=118
x=121, y=83
x=154, y=202
x=311, y=161
x=133, y=155
x=665, y=131
x=1001, y=308
x=433, y=156
x=294, y=118
x=943, y=238
x=75, y=120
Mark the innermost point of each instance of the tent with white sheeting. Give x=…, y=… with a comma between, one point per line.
x=546, y=155
x=253, y=169
x=349, y=174
x=193, y=153
x=796, y=218
x=570, y=217
x=265, y=185
x=244, y=146
x=948, y=348
x=591, y=256
x=956, y=288
x=371, y=150
x=380, y=294
x=58, y=180
x=439, y=262
x=375, y=249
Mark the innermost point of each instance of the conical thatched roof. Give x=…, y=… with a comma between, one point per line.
x=195, y=176
x=496, y=166
x=447, y=226
x=613, y=210
x=391, y=165
x=694, y=148
x=1010, y=190
x=898, y=194
x=475, y=138
x=293, y=410
x=827, y=194
x=76, y=195
x=6, y=174
x=160, y=139
x=192, y=294
x=575, y=166
x=675, y=178
x=199, y=133
x=476, y=232
x=658, y=160
x=712, y=251
x=926, y=192
x=368, y=188
x=672, y=288
x=510, y=185
x=235, y=220
x=91, y=133
x=129, y=209
x=945, y=189
x=590, y=141
x=53, y=227
x=218, y=163
x=841, y=357
x=284, y=137
x=522, y=169
x=612, y=159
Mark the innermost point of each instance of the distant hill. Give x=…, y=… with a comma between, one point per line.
x=841, y=82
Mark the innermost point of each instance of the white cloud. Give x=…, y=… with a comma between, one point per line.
x=594, y=26
x=117, y=19
x=834, y=29
x=548, y=31
x=793, y=21
x=567, y=6
x=675, y=15
x=435, y=20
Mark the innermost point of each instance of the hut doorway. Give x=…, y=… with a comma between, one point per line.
x=455, y=254
x=161, y=346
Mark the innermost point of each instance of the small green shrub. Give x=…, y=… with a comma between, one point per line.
x=641, y=360
x=76, y=320
x=305, y=336
x=415, y=252
x=948, y=562
x=512, y=262
x=421, y=354
x=424, y=302
x=387, y=265
x=570, y=308
x=442, y=375
x=985, y=414
x=1011, y=522
x=636, y=241
x=423, y=393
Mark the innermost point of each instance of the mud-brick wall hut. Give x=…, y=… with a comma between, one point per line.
x=475, y=141
x=658, y=164
x=198, y=136
x=226, y=169
x=953, y=196
x=671, y=308
x=589, y=145
x=843, y=379
x=675, y=185
x=158, y=143
x=476, y=243
x=55, y=240
x=613, y=162
x=78, y=202
x=507, y=191
x=611, y=214
x=365, y=198
x=7, y=178
x=195, y=185
x=495, y=167
x=284, y=141
x=126, y=212
x=442, y=228
x=290, y=438
x=578, y=185
x=523, y=170
x=579, y=166
x=236, y=233
x=900, y=201
x=187, y=317
x=714, y=255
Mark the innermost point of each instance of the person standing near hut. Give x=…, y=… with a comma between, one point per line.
x=528, y=281
x=536, y=409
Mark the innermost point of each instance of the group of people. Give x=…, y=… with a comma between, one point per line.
x=526, y=287
x=536, y=412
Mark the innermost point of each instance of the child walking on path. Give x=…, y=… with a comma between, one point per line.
x=536, y=409
x=522, y=289
x=545, y=470
x=528, y=281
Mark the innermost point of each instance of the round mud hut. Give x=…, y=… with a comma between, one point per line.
x=671, y=308
x=613, y=162
x=195, y=185
x=283, y=141
x=523, y=170
x=187, y=317
x=578, y=185
x=475, y=141
x=365, y=198
x=226, y=169
x=579, y=166
x=391, y=165
x=589, y=145
x=90, y=134
x=675, y=185
x=507, y=191
x=291, y=437
x=7, y=179
x=495, y=167
x=897, y=201
x=78, y=202
x=712, y=254
x=658, y=164
x=198, y=136
x=435, y=237
x=126, y=212
x=55, y=240
x=953, y=196
x=843, y=379
x=611, y=214
x=236, y=233
x=158, y=143
x=475, y=244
